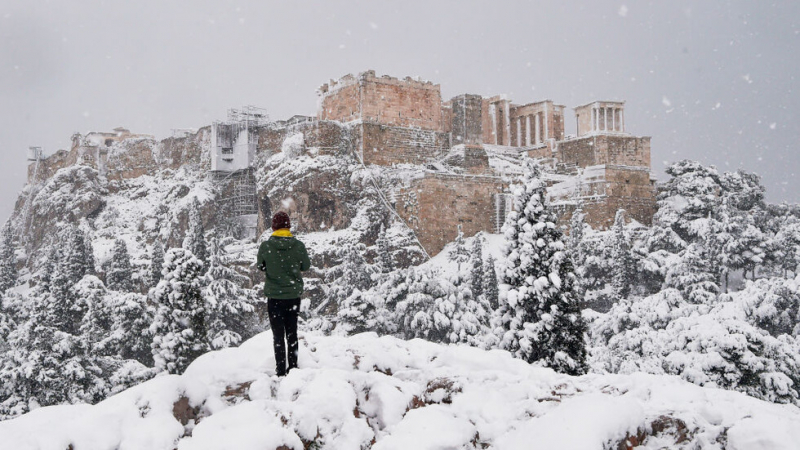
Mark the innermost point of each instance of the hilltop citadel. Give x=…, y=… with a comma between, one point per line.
x=463, y=153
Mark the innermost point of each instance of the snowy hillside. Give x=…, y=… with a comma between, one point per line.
x=385, y=393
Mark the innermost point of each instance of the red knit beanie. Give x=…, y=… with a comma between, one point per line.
x=280, y=220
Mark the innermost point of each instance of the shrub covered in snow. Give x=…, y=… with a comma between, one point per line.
x=710, y=344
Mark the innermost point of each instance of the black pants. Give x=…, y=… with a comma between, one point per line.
x=283, y=320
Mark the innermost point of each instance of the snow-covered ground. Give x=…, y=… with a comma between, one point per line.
x=384, y=393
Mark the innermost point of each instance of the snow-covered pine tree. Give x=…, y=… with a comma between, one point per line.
x=414, y=311
x=459, y=254
x=156, y=262
x=231, y=311
x=490, y=288
x=119, y=277
x=97, y=322
x=8, y=259
x=690, y=195
x=787, y=243
x=179, y=327
x=47, y=366
x=74, y=261
x=384, y=252
x=195, y=240
x=576, y=249
x=691, y=276
x=62, y=308
x=577, y=229
x=459, y=316
x=7, y=324
x=477, y=266
x=622, y=260
x=89, y=248
x=356, y=312
x=539, y=313
x=131, y=328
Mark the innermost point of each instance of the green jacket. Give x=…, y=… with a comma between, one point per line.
x=282, y=259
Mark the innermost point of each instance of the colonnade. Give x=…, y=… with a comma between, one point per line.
x=608, y=119
x=535, y=129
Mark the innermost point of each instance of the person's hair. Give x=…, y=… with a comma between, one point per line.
x=281, y=220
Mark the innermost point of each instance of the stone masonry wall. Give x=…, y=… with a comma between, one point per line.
x=466, y=119
x=401, y=104
x=386, y=145
x=436, y=204
x=605, y=149
x=385, y=100
x=342, y=105
x=621, y=187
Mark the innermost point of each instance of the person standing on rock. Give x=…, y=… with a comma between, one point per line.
x=282, y=258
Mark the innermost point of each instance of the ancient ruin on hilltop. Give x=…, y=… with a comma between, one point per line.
x=464, y=153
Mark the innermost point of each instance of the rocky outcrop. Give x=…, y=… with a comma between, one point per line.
x=72, y=193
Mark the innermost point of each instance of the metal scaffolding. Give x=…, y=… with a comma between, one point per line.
x=243, y=200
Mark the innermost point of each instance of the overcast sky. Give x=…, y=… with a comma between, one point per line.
x=708, y=80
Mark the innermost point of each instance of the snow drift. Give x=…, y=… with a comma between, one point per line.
x=385, y=393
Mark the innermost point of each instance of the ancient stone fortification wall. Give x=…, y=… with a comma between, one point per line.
x=387, y=145
x=629, y=189
x=436, y=204
x=613, y=188
x=625, y=150
x=342, y=105
x=605, y=149
x=385, y=100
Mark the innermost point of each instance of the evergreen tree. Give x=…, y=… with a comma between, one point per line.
x=8, y=259
x=62, y=309
x=97, y=321
x=131, y=327
x=477, y=266
x=688, y=199
x=195, y=240
x=539, y=313
x=75, y=257
x=351, y=279
x=576, y=249
x=89, y=249
x=459, y=254
x=384, y=252
x=490, y=288
x=622, y=260
x=577, y=230
x=692, y=278
x=44, y=273
x=156, y=262
x=179, y=327
x=119, y=270
x=414, y=310
x=787, y=245
x=231, y=311
x=459, y=316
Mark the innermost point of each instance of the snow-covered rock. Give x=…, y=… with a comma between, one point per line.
x=384, y=393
